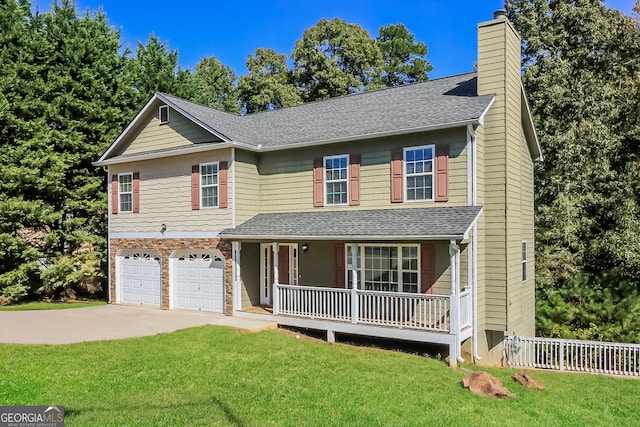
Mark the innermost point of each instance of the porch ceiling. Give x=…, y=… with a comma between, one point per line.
x=437, y=223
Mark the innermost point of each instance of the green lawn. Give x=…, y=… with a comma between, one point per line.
x=53, y=305
x=211, y=376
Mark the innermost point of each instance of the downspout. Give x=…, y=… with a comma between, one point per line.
x=109, y=278
x=471, y=138
x=233, y=187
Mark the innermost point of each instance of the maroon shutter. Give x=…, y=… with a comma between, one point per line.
x=354, y=180
x=195, y=187
x=427, y=268
x=136, y=192
x=397, y=176
x=223, y=194
x=442, y=173
x=340, y=265
x=318, y=182
x=114, y=194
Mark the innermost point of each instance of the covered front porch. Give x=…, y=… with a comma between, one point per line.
x=404, y=287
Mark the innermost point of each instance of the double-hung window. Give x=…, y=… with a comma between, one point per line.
x=336, y=180
x=125, y=192
x=419, y=172
x=209, y=185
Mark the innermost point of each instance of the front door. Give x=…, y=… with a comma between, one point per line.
x=287, y=268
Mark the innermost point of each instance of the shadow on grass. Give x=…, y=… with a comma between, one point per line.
x=230, y=416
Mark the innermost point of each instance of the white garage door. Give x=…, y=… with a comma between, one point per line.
x=140, y=278
x=199, y=282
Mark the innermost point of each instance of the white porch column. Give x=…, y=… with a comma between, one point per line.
x=237, y=281
x=353, y=250
x=454, y=302
x=275, y=293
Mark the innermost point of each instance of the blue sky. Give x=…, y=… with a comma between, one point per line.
x=231, y=30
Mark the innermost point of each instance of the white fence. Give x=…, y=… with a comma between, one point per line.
x=573, y=355
x=426, y=312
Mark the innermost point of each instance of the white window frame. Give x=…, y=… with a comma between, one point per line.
x=400, y=270
x=166, y=108
x=122, y=193
x=215, y=186
x=407, y=175
x=334, y=181
x=524, y=260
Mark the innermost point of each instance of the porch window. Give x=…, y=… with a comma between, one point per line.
x=125, y=192
x=392, y=268
x=209, y=184
x=419, y=172
x=336, y=179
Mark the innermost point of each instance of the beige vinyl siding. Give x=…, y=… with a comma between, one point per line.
x=247, y=185
x=165, y=196
x=286, y=177
x=150, y=135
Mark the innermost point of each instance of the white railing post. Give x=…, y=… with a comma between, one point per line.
x=275, y=293
x=454, y=306
x=354, y=284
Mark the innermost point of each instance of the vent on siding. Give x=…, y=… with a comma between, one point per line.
x=164, y=114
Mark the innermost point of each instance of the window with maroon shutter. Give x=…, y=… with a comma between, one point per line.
x=195, y=187
x=318, y=182
x=397, y=176
x=136, y=192
x=427, y=268
x=223, y=185
x=340, y=267
x=442, y=173
x=115, y=201
x=354, y=180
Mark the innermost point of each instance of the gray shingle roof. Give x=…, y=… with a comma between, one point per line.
x=382, y=224
x=440, y=102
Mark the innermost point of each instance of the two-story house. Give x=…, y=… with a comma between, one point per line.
x=402, y=213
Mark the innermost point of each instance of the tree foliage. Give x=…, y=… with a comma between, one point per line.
x=67, y=89
x=335, y=58
x=269, y=83
x=404, y=58
x=582, y=75
x=60, y=89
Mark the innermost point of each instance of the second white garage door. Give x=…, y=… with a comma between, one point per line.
x=198, y=281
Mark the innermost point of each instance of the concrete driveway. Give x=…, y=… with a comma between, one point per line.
x=108, y=322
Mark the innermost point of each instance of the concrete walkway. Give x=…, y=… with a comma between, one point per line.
x=108, y=322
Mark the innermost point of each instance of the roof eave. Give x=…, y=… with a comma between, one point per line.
x=439, y=126
x=160, y=154
x=529, y=127
x=369, y=237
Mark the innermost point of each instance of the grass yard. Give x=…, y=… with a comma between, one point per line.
x=210, y=376
x=53, y=305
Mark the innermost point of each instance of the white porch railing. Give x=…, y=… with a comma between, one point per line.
x=314, y=302
x=465, y=308
x=573, y=355
x=425, y=312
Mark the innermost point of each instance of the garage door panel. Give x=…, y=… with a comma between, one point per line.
x=140, y=279
x=198, y=282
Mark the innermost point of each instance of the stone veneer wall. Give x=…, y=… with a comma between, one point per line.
x=165, y=247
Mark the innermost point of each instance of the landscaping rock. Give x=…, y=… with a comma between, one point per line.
x=484, y=384
x=527, y=381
